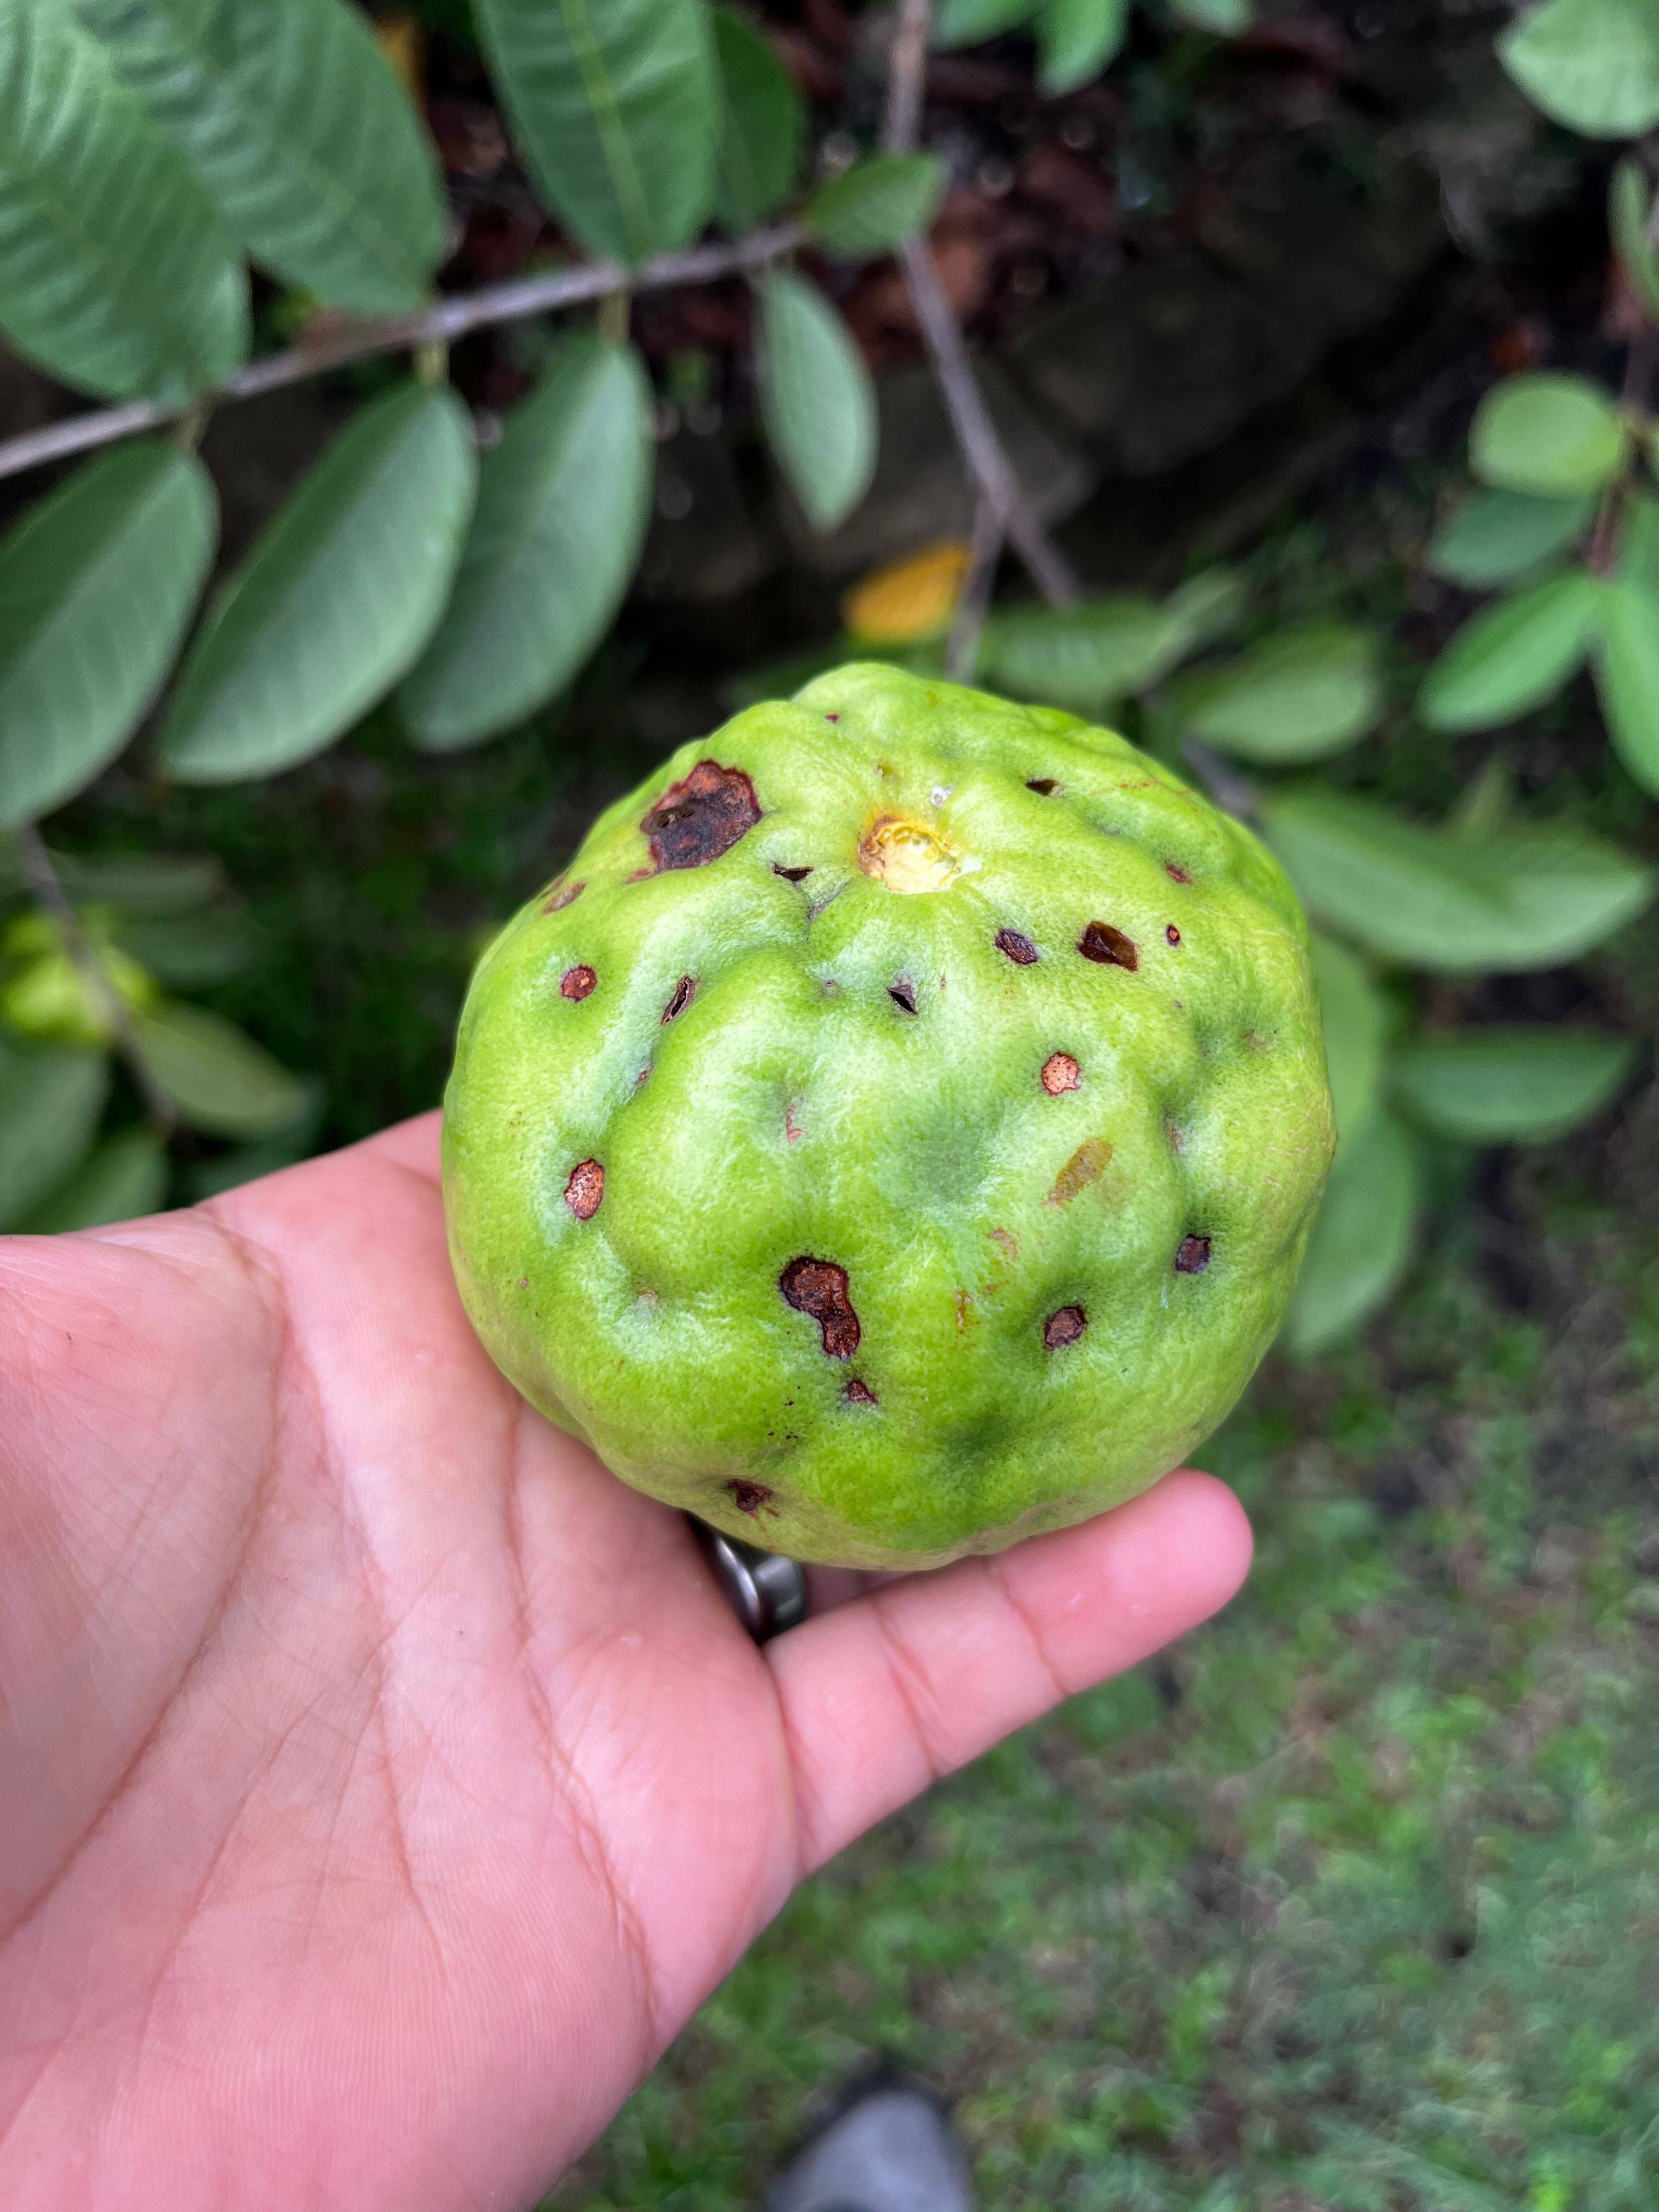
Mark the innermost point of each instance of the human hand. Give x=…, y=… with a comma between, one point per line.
x=385, y=1784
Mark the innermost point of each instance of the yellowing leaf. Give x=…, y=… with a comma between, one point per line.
x=908, y=599
x=400, y=42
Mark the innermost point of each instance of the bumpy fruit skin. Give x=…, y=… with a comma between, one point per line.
x=897, y=1131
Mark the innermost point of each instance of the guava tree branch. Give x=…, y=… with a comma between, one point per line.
x=987, y=463
x=439, y=325
x=41, y=878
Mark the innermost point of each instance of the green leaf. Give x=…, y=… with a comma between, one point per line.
x=1205, y=607
x=1510, y=658
x=1496, y=536
x=125, y=1177
x=1548, y=432
x=1455, y=904
x=1629, y=212
x=217, y=1077
x=1077, y=39
x=96, y=585
x=1495, y=1086
x=876, y=203
x=116, y=273
x=1084, y=658
x=188, y=951
x=615, y=107
x=295, y=123
x=1356, y=1021
x=816, y=401
x=140, y=883
x=764, y=129
x=337, y=598
x=1638, y=548
x=1627, y=676
x=563, y=501
x=1227, y=19
x=1592, y=64
x=1301, y=695
x=50, y=1103
x=968, y=22
x=1362, y=1236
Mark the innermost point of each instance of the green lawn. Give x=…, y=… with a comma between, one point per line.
x=1351, y=1902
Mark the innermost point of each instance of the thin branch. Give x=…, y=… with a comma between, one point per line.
x=1232, y=792
x=962, y=653
x=987, y=464
x=981, y=448
x=906, y=77
x=34, y=862
x=441, y=324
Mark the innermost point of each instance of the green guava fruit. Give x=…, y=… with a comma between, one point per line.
x=897, y=1131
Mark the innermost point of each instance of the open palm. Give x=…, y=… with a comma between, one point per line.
x=385, y=1784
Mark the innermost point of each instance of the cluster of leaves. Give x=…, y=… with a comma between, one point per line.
x=1076, y=39
x=149, y=152
x=157, y=926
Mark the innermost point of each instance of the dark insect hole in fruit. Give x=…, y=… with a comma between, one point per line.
x=701, y=817
x=1173, y=934
x=684, y=990
x=903, y=997
x=1110, y=947
x=1064, y=1327
x=1020, y=949
x=1192, y=1256
x=818, y=1288
x=861, y=1394
x=749, y=1497
x=1043, y=785
x=790, y=875
x=577, y=983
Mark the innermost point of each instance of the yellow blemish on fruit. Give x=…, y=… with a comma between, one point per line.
x=909, y=856
x=1086, y=1165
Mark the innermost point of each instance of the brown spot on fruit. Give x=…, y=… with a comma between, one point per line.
x=561, y=894
x=832, y=717
x=1064, y=1327
x=1009, y=1243
x=1110, y=947
x=1060, y=1073
x=818, y=1287
x=749, y=1497
x=903, y=997
x=859, y=1393
x=1192, y=1256
x=684, y=992
x=790, y=875
x=1175, y=1140
x=1172, y=934
x=1176, y=873
x=1087, y=1164
x=1043, y=785
x=584, y=1190
x=1019, y=947
x=701, y=817
x=577, y=983
x=791, y=1128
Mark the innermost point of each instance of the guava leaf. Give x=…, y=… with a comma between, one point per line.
x=817, y=400
x=1503, y=1085
x=763, y=128
x=1510, y=658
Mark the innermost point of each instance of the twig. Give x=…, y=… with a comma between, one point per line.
x=34, y=862
x=985, y=551
x=988, y=465
x=1233, y=793
x=981, y=448
x=439, y=325
x=907, y=78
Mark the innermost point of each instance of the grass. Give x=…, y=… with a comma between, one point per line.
x=1349, y=1904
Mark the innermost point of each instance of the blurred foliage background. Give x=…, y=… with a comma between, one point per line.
x=1321, y=342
